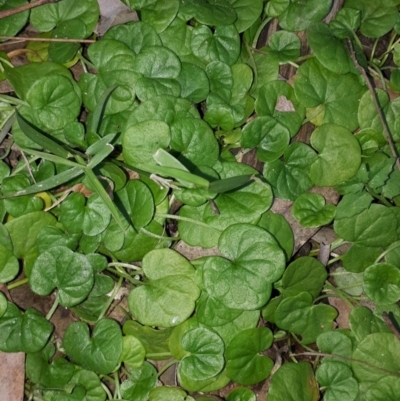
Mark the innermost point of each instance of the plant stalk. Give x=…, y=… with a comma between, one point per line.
x=25, y=7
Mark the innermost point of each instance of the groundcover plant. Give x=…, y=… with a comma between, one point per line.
x=127, y=207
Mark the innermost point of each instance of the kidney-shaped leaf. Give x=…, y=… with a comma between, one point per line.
x=310, y=210
x=381, y=354
x=339, y=155
x=142, y=140
x=70, y=272
x=205, y=358
x=54, y=101
x=141, y=381
x=244, y=282
x=168, y=298
x=294, y=382
x=338, y=381
x=298, y=315
x=331, y=98
x=244, y=364
x=99, y=352
x=23, y=332
x=382, y=283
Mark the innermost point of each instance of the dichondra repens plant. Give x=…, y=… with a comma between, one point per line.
x=122, y=153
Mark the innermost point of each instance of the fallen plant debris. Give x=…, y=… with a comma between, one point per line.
x=202, y=203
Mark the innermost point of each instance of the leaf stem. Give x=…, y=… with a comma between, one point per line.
x=50, y=313
x=377, y=196
x=106, y=389
x=167, y=366
x=259, y=30
x=160, y=237
x=375, y=99
x=17, y=284
x=117, y=394
x=25, y=7
x=384, y=253
x=344, y=358
x=189, y=220
x=138, y=269
x=111, y=299
x=125, y=275
x=12, y=100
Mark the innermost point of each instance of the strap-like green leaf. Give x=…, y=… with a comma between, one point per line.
x=38, y=137
x=50, y=183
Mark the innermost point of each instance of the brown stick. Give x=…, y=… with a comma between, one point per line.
x=375, y=99
x=25, y=7
x=391, y=325
x=64, y=40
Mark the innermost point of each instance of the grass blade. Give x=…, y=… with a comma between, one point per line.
x=42, y=140
x=48, y=184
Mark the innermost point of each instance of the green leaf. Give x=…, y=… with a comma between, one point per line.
x=374, y=227
x=382, y=283
x=336, y=343
x=278, y=226
x=194, y=142
x=386, y=388
x=303, y=274
x=277, y=99
x=23, y=233
x=338, y=381
x=297, y=315
x=133, y=352
x=55, y=374
x=310, y=210
x=363, y=322
x=11, y=25
x=346, y=21
x=49, y=16
x=380, y=352
x=138, y=202
x=294, y=382
x=330, y=98
x=205, y=354
x=64, y=52
x=291, y=178
x=368, y=116
x=23, y=332
x=160, y=14
x=142, y=140
x=61, y=268
x=141, y=381
x=269, y=136
x=248, y=11
x=38, y=137
x=166, y=393
x=244, y=281
x=284, y=46
x=210, y=12
x=21, y=205
x=244, y=363
x=297, y=16
x=99, y=352
x=241, y=394
x=377, y=17
x=324, y=44
x=169, y=296
x=54, y=102
x=339, y=155
x=136, y=35
x=222, y=45
x=9, y=266
x=194, y=90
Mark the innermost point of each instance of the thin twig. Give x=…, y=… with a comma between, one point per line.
x=391, y=325
x=64, y=40
x=25, y=7
x=375, y=99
